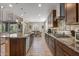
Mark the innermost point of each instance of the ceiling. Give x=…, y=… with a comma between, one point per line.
x=31, y=11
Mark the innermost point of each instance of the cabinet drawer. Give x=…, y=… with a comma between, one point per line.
x=59, y=51
x=66, y=50
x=69, y=51
x=59, y=43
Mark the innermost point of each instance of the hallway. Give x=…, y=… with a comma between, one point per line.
x=39, y=47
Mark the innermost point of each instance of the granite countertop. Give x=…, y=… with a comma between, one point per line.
x=4, y=37
x=14, y=36
x=70, y=42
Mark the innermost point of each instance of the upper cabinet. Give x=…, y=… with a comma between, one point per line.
x=71, y=13
x=55, y=21
x=78, y=12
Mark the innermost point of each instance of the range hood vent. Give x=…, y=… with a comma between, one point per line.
x=62, y=11
x=60, y=17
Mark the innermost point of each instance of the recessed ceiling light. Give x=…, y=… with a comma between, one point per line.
x=39, y=15
x=39, y=5
x=21, y=14
x=2, y=7
x=10, y=5
x=16, y=20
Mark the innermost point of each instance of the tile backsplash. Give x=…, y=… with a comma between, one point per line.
x=72, y=27
x=64, y=27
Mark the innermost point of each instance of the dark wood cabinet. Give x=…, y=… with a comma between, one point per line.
x=72, y=13
x=78, y=12
x=55, y=21
x=52, y=21
x=17, y=46
x=58, y=48
x=50, y=43
x=64, y=50
x=59, y=51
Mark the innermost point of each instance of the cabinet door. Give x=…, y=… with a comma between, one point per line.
x=59, y=51
x=55, y=21
x=70, y=11
x=17, y=46
x=78, y=12
x=13, y=45
x=21, y=47
x=51, y=45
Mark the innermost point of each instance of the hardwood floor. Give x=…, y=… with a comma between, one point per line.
x=39, y=47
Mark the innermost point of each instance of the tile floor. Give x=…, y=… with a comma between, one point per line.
x=39, y=47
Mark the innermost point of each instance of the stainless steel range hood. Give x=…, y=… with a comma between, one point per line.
x=62, y=12
x=60, y=17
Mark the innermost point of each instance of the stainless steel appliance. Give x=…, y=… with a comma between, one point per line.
x=77, y=39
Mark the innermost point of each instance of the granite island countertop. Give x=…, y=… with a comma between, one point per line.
x=13, y=36
x=5, y=37
x=69, y=42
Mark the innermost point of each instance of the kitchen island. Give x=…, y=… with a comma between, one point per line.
x=62, y=46
x=15, y=45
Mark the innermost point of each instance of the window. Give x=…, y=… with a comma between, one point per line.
x=13, y=28
x=8, y=27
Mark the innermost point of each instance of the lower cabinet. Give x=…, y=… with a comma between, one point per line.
x=15, y=47
x=58, y=48
x=50, y=43
x=65, y=50
x=18, y=46
x=59, y=51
